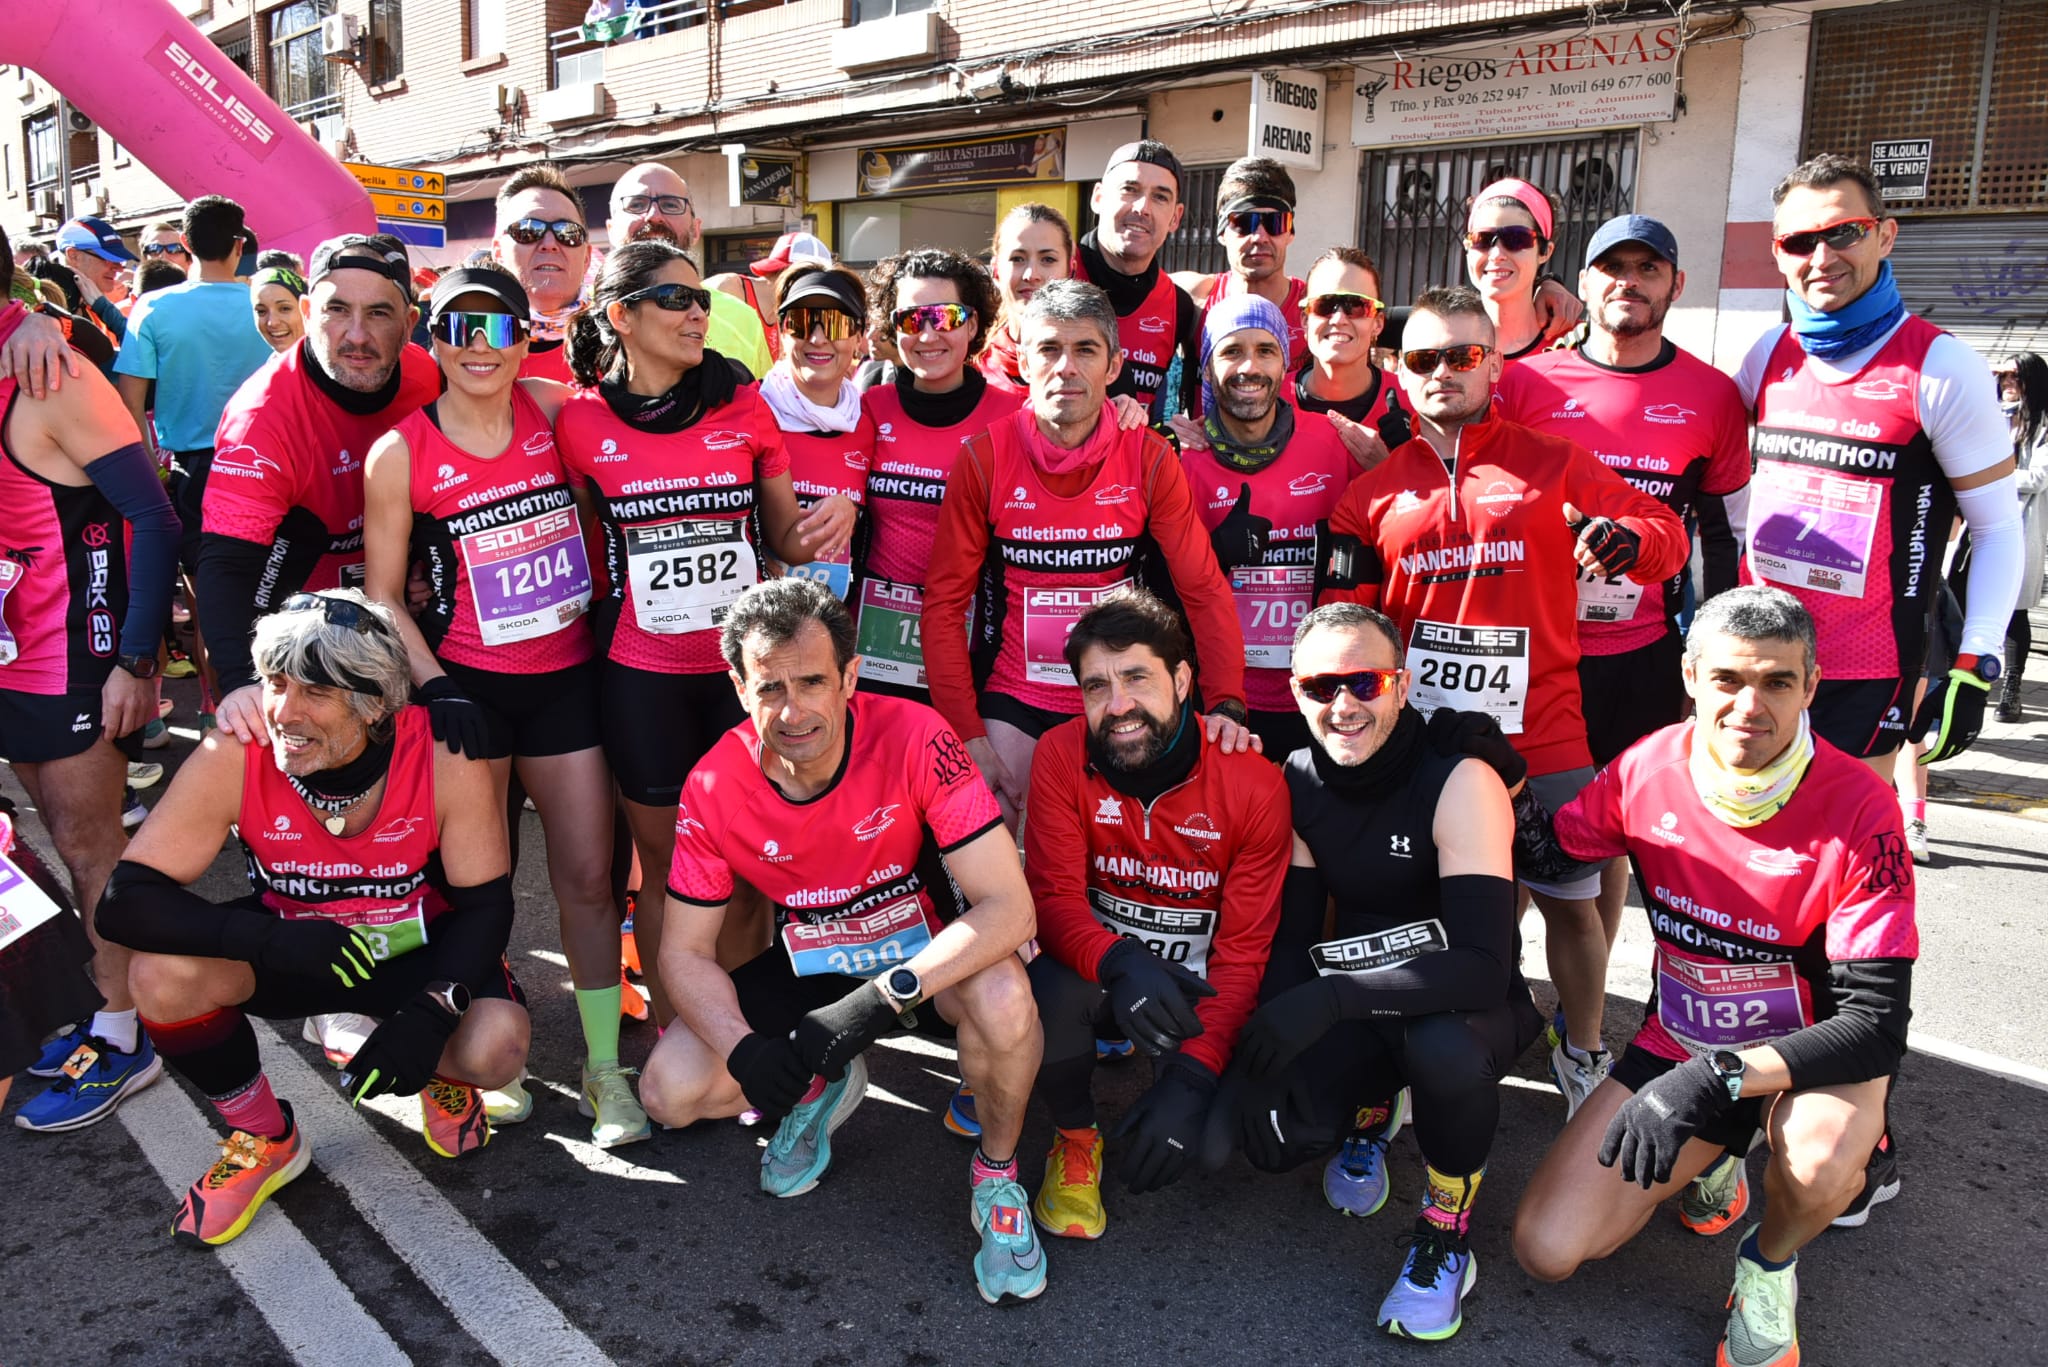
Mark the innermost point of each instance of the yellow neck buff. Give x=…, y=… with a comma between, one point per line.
x=1746, y=797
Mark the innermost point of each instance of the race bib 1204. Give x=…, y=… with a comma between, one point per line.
x=529, y=579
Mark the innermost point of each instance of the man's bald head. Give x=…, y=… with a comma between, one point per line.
x=653, y=201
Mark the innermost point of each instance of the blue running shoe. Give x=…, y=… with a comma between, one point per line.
x=1355, y=1178
x=1428, y=1297
x=1011, y=1263
x=50, y=1063
x=802, y=1147
x=960, y=1113
x=1112, y=1050
x=95, y=1079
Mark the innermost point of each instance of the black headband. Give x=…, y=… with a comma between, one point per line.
x=360, y=252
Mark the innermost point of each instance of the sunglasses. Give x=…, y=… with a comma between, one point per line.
x=499, y=330
x=931, y=318
x=1839, y=237
x=1363, y=684
x=1350, y=305
x=339, y=612
x=675, y=297
x=836, y=324
x=1276, y=222
x=567, y=231
x=1512, y=238
x=1425, y=360
x=165, y=249
x=674, y=205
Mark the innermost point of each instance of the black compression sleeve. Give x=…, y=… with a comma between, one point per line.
x=148, y=910
x=1538, y=855
x=1469, y=974
x=1190, y=319
x=468, y=940
x=129, y=480
x=1866, y=1037
x=1720, y=554
x=1303, y=904
x=229, y=571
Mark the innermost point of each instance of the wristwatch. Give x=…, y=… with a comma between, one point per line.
x=450, y=997
x=1729, y=1067
x=903, y=988
x=1985, y=667
x=141, y=666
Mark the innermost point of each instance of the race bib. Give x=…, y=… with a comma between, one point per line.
x=529, y=579
x=1271, y=601
x=1474, y=669
x=391, y=931
x=1813, y=529
x=890, y=641
x=1706, y=1005
x=353, y=576
x=836, y=575
x=1607, y=597
x=686, y=575
x=859, y=946
x=1382, y=949
x=1049, y=615
x=23, y=905
x=1179, y=935
x=11, y=573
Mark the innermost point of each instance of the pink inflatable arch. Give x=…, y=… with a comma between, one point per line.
x=168, y=96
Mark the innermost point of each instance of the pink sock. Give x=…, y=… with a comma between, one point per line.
x=1917, y=809
x=980, y=1169
x=253, y=1110
x=817, y=1089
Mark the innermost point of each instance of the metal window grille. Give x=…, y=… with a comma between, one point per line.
x=1413, y=201
x=1193, y=245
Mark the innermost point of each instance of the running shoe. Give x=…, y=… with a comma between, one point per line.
x=802, y=1147
x=50, y=1063
x=1069, y=1200
x=508, y=1105
x=1428, y=1298
x=1716, y=1198
x=1916, y=840
x=220, y=1205
x=632, y=1005
x=179, y=665
x=960, y=1118
x=133, y=813
x=164, y=708
x=1880, y=1184
x=1112, y=1050
x=340, y=1035
x=144, y=774
x=93, y=1080
x=1577, y=1078
x=1355, y=1178
x=608, y=1102
x=1010, y=1264
x=1763, y=1322
x=1553, y=1033
x=452, y=1117
x=156, y=735
x=629, y=947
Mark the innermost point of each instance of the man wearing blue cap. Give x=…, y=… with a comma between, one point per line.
x=94, y=255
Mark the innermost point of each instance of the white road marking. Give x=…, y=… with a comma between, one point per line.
x=918, y=1044
x=489, y=1297
x=1982, y=1060
x=312, y=1312
x=608, y=1163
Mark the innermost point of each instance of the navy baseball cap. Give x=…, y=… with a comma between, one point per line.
x=94, y=235
x=1633, y=228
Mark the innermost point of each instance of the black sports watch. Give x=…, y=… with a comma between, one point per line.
x=1729, y=1067
x=903, y=988
x=453, y=998
x=141, y=666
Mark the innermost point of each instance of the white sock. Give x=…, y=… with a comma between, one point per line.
x=118, y=1028
x=1582, y=1055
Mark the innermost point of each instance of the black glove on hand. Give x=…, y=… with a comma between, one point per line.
x=400, y=1055
x=1477, y=734
x=1241, y=537
x=1153, y=1000
x=455, y=717
x=831, y=1037
x=1165, y=1125
x=1614, y=546
x=306, y=949
x=1651, y=1127
x=770, y=1073
x=1278, y=1031
x=1270, y=1121
x=1957, y=705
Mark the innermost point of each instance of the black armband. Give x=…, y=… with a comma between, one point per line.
x=1344, y=562
x=1865, y=1038
x=229, y=571
x=1467, y=968
x=129, y=480
x=468, y=941
x=146, y=909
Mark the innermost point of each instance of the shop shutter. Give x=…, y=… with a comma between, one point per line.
x=1982, y=277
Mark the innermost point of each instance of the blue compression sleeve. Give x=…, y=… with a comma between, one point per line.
x=129, y=480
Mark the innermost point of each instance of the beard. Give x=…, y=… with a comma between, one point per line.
x=1629, y=327
x=1139, y=753
x=654, y=230
x=1246, y=407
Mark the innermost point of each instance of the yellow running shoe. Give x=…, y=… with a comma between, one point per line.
x=221, y=1204
x=1069, y=1201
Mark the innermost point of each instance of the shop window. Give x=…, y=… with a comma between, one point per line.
x=864, y=10
x=1413, y=202
x=386, y=39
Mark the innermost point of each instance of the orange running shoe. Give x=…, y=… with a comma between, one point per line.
x=632, y=1005
x=221, y=1204
x=629, y=947
x=452, y=1117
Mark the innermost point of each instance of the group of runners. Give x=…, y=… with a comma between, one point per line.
x=798, y=606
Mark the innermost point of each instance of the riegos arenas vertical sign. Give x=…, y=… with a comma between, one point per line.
x=1287, y=118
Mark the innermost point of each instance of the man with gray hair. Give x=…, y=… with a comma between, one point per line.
x=1779, y=889
x=381, y=885
x=1047, y=511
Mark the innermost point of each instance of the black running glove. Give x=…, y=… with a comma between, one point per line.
x=400, y=1055
x=455, y=717
x=832, y=1036
x=1153, y=1000
x=1477, y=734
x=1614, y=546
x=771, y=1075
x=1269, y=1120
x=1165, y=1125
x=1957, y=703
x=306, y=948
x=1647, y=1133
x=1242, y=536
x=1280, y=1030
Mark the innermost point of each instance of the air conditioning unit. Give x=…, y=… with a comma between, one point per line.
x=47, y=204
x=887, y=42
x=99, y=204
x=571, y=103
x=77, y=120
x=338, y=35
x=330, y=130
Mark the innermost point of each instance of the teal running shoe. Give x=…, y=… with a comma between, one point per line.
x=1011, y=1263
x=802, y=1147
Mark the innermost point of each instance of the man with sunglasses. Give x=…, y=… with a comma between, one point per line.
x=544, y=241
x=651, y=200
x=283, y=507
x=1470, y=537
x=1137, y=207
x=165, y=241
x=1874, y=430
x=1421, y=987
x=380, y=885
x=1255, y=224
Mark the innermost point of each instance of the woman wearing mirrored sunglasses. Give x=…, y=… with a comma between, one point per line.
x=690, y=487
x=1510, y=235
x=502, y=653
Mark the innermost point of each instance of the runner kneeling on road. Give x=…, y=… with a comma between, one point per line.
x=866, y=825
x=1421, y=987
x=1779, y=888
x=378, y=858
x=1174, y=900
